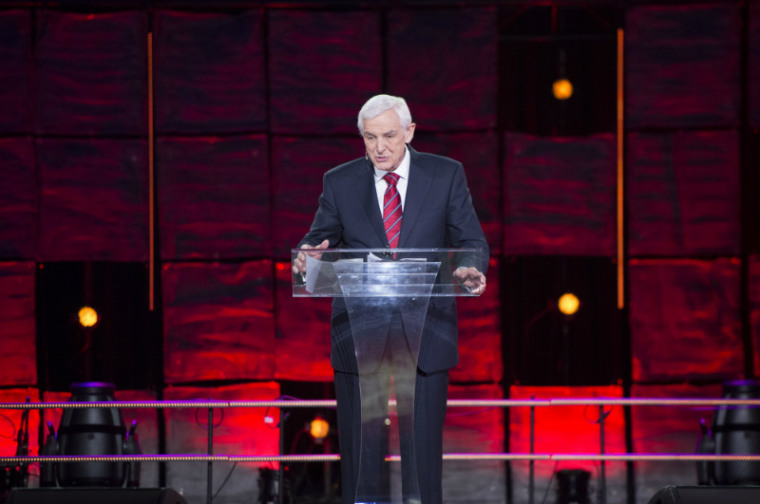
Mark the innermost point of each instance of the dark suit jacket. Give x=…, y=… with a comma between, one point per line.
x=438, y=213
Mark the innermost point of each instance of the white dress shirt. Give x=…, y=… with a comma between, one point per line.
x=402, y=171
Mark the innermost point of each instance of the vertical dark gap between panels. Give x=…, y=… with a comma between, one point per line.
x=265, y=12
x=156, y=316
x=623, y=314
x=383, y=13
x=506, y=353
x=746, y=213
x=38, y=178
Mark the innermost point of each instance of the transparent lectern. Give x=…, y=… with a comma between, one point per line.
x=385, y=290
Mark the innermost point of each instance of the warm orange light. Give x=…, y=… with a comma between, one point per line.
x=562, y=89
x=319, y=428
x=568, y=303
x=88, y=317
x=620, y=171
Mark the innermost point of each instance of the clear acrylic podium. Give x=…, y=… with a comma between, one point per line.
x=378, y=287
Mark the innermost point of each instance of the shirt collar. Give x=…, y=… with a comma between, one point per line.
x=402, y=171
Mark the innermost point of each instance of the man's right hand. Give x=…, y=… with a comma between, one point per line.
x=299, y=263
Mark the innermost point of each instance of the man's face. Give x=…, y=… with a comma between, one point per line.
x=384, y=139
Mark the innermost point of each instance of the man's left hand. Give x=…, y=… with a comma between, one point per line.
x=471, y=279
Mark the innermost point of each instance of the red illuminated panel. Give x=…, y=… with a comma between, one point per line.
x=668, y=429
x=15, y=72
x=559, y=195
x=218, y=321
x=683, y=193
x=237, y=431
x=685, y=320
x=209, y=72
x=479, y=153
x=94, y=199
x=480, y=334
x=214, y=197
x=18, y=199
x=298, y=165
x=754, y=305
x=323, y=65
x=452, y=92
x=91, y=72
x=302, y=349
x=18, y=360
x=566, y=429
x=10, y=423
x=682, y=65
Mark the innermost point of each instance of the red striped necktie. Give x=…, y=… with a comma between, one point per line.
x=392, y=210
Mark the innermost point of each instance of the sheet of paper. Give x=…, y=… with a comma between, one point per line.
x=371, y=257
x=313, y=269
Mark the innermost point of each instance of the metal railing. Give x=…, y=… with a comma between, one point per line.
x=211, y=405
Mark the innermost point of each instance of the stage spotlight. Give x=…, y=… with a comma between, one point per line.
x=319, y=428
x=91, y=432
x=568, y=303
x=562, y=89
x=735, y=430
x=88, y=317
x=572, y=486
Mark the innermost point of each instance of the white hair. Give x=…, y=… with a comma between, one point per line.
x=382, y=103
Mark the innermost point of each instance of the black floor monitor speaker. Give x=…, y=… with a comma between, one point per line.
x=95, y=496
x=707, y=495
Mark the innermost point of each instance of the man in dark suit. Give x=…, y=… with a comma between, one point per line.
x=435, y=212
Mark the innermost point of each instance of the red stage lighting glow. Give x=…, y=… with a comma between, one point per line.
x=568, y=429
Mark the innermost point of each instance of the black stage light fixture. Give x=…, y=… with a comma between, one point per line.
x=735, y=430
x=91, y=431
x=572, y=486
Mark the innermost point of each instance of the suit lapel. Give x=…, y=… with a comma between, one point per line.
x=368, y=196
x=416, y=191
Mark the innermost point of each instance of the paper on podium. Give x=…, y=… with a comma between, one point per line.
x=322, y=273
